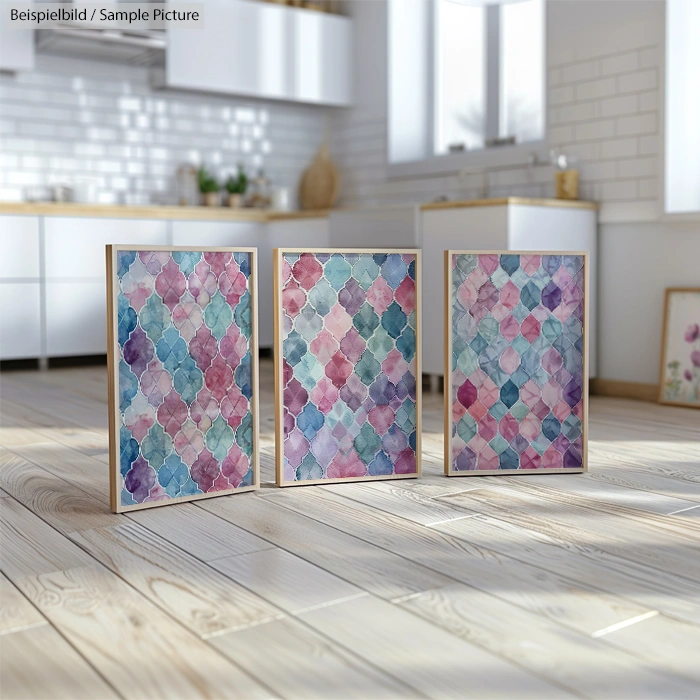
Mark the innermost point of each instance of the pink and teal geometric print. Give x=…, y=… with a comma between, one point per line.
x=349, y=365
x=517, y=362
x=184, y=333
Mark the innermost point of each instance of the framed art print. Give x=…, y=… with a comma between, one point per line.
x=347, y=365
x=183, y=373
x=679, y=382
x=516, y=362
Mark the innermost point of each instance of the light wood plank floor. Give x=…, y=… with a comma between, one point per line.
x=534, y=586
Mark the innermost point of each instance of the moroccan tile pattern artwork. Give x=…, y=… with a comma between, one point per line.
x=349, y=365
x=185, y=423
x=517, y=362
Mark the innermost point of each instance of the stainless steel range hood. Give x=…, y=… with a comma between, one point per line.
x=116, y=42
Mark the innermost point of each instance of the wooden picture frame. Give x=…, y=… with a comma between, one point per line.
x=684, y=379
x=448, y=383
x=246, y=410
x=279, y=367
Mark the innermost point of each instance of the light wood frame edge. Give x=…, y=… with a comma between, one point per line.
x=447, y=381
x=277, y=353
x=113, y=378
x=667, y=301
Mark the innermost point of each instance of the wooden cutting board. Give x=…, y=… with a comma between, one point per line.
x=320, y=183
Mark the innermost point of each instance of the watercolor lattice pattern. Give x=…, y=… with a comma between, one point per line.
x=185, y=373
x=349, y=367
x=517, y=361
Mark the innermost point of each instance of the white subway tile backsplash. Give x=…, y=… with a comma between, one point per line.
x=84, y=120
x=595, y=89
x=618, y=190
x=615, y=106
x=618, y=148
x=648, y=189
x=648, y=101
x=640, y=124
x=584, y=70
x=622, y=63
x=649, y=57
x=561, y=95
x=594, y=130
x=648, y=145
x=637, y=81
x=638, y=167
x=604, y=170
x=559, y=135
x=578, y=112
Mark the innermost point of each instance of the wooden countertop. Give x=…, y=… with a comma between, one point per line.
x=503, y=201
x=114, y=211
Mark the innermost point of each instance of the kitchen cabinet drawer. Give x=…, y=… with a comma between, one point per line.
x=75, y=247
x=20, y=320
x=19, y=247
x=76, y=318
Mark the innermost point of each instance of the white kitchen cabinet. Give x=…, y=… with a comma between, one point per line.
x=75, y=277
x=375, y=227
x=20, y=320
x=505, y=226
x=76, y=318
x=257, y=49
x=321, y=58
x=217, y=233
x=20, y=288
x=19, y=247
x=75, y=246
x=16, y=43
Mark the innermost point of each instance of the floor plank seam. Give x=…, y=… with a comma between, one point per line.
x=504, y=518
x=625, y=623
x=331, y=603
x=683, y=510
x=239, y=628
x=451, y=520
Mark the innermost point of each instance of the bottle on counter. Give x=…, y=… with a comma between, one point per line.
x=260, y=191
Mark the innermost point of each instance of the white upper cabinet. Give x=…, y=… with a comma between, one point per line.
x=321, y=57
x=16, y=44
x=257, y=49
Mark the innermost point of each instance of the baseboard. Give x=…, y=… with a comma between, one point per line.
x=624, y=390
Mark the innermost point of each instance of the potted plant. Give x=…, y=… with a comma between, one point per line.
x=209, y=187
x=236, y=186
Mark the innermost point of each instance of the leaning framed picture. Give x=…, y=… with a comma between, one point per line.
x=347, y=365
x=183, y=374
x=679, y=382
x=516, y=362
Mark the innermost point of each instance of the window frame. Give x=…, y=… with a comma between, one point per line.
x=433, y=164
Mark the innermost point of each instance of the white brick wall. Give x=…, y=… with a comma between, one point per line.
x=70, y=119
x=603, y=110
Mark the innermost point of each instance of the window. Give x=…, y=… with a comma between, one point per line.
x=682, y=137
x=477, y=77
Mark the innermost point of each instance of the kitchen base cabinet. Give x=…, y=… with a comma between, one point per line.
x=75, y=246
x=19, y=247
x=512, y=224
x=223, y=234
x=20, y=320
x=76, y=318
x=76, y=277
